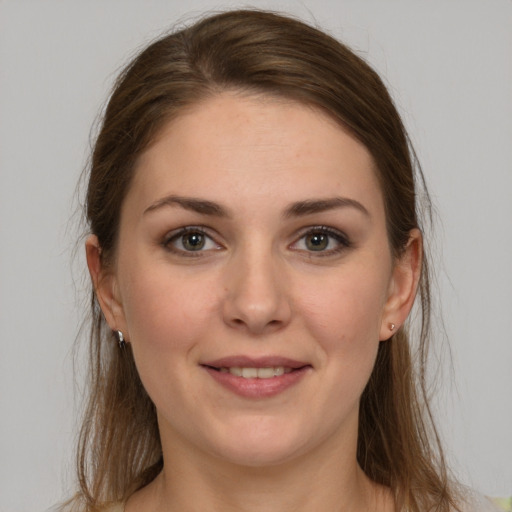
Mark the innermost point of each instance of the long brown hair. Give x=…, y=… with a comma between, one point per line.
x=258, y=53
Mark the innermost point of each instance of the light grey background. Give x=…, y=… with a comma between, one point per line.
x=450, y=66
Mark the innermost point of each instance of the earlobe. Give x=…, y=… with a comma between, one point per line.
x=403, y=286
x=104, y=283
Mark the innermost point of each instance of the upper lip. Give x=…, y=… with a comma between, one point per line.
x=255, y=362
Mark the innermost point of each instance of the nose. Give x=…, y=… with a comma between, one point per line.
x=256, y=300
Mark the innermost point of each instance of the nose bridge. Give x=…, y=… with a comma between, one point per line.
x=256, y=290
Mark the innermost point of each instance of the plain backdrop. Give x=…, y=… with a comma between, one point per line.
x=449, y=66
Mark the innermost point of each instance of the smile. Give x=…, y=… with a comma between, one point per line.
x=256, y=373
x=257, y=378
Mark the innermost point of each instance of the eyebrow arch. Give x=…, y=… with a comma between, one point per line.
x=310, y=206
x=297, y=209
x=201, y=206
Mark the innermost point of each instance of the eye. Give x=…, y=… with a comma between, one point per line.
x=190, y=239
x=323, y=240
x=317, y=241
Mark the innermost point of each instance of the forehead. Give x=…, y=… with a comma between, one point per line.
x=232, y=146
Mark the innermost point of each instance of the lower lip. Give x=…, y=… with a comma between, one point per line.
x=258, y=388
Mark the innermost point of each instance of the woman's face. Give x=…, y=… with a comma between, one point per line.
x=254, y=279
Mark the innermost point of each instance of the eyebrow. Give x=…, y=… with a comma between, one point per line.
x=201, y=206
x=297, y=209
x=311, y=206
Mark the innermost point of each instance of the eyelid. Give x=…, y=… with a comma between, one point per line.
x=342, y=238
x=175, y=234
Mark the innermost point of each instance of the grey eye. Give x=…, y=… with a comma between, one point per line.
x=317, y=241
x=193, y=241
x=189, y=240
x=322, y=240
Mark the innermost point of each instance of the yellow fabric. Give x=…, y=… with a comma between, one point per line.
x=504, y=504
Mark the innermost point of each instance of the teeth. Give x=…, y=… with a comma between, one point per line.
x=235, y=371
x=256, y=373
x=263, y=373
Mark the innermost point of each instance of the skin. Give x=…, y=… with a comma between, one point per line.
x=258, y=288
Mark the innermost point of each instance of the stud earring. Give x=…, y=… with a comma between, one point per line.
x=120, y=339
x=391, y=327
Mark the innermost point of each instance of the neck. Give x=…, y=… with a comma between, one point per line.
x=330, y=481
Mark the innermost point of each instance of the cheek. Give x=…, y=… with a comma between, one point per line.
x=346, y=307
x=166, y=317
x=344, y=316
x=344, y=319
x=165, y=311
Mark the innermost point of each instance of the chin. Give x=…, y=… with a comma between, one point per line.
x=261, y=457
x=262, y=447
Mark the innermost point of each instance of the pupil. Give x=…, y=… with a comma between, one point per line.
x=317, y=242
x=193, y=241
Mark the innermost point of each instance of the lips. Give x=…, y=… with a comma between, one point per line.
x=256, y=377
x=259, y=362
x=256, y=373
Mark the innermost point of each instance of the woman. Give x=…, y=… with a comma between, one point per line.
x=255, y=251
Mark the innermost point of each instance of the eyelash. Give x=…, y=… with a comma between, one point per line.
x=180, y=234
x=339, y=237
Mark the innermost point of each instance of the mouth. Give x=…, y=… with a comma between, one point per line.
x=249, y=372
x=257, y=378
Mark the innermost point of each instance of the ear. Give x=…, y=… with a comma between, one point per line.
x=105, y=286
x=403, y=286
